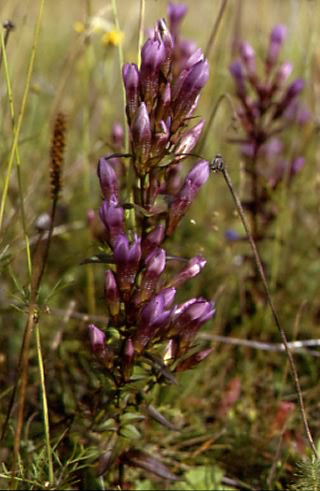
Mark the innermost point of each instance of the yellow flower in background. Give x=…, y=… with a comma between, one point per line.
x=79, y=26
x=114, y=38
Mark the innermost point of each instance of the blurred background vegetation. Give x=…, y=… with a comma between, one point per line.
x=240, y=425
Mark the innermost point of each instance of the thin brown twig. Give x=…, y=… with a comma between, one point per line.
x=219, y=165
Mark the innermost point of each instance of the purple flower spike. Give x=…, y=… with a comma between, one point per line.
x=277, y=38
x=97, y=339
x=141, y=134
x=112, y=293
x=176, y=12
x=131, y=79
x=189, y=140
x=109, y=182
x=127, y=259
x=112, y=216
x=194, y=180
x=195, y=265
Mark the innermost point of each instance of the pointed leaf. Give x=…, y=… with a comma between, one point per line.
x=157, y=416
x=137, y=458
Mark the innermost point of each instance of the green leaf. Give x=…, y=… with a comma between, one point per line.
x=98, y=258
x=130, y=432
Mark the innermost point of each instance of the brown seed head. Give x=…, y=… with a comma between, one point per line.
x=56, y=154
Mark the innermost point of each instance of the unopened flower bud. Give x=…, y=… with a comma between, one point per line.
x=153, y=239
x=109, y=182
x=127, y=260
x=97, y=339
x=112, y=216
x=194, y=180
x=292, y=92
x=188, y=141
x=176, y=12
x=236, y=70
x=141, y=135
x=112, y=294
x=131, y=79
x=153, y=55
x=195, y=265
x=155, y=264
x=153, y=318
x=190, y=88
x=248, y=56
x=277, y=38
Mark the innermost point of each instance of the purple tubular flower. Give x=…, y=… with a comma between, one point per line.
x=112, y=293
x=193, y=360
x=153, y=239
x=189, y=317
x=117, y=135
x=112, y=216
x=189, y=140
x=153, y=55
x=97, y=339
x=195, y=265
x=292, y=92
x=249, y=57
x=109, y=182
x=127, y=259
x=155, y=264
x=194, y=180
x=277, y=38
x=131, y=79
x=141, y=134
x=168, y=46
x=176, y=12
x=153, y=318
x=236, y=70
x=190, y=88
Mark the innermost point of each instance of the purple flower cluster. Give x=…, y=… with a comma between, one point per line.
x=268, y=105
x=162, y=96
x=138, y=294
